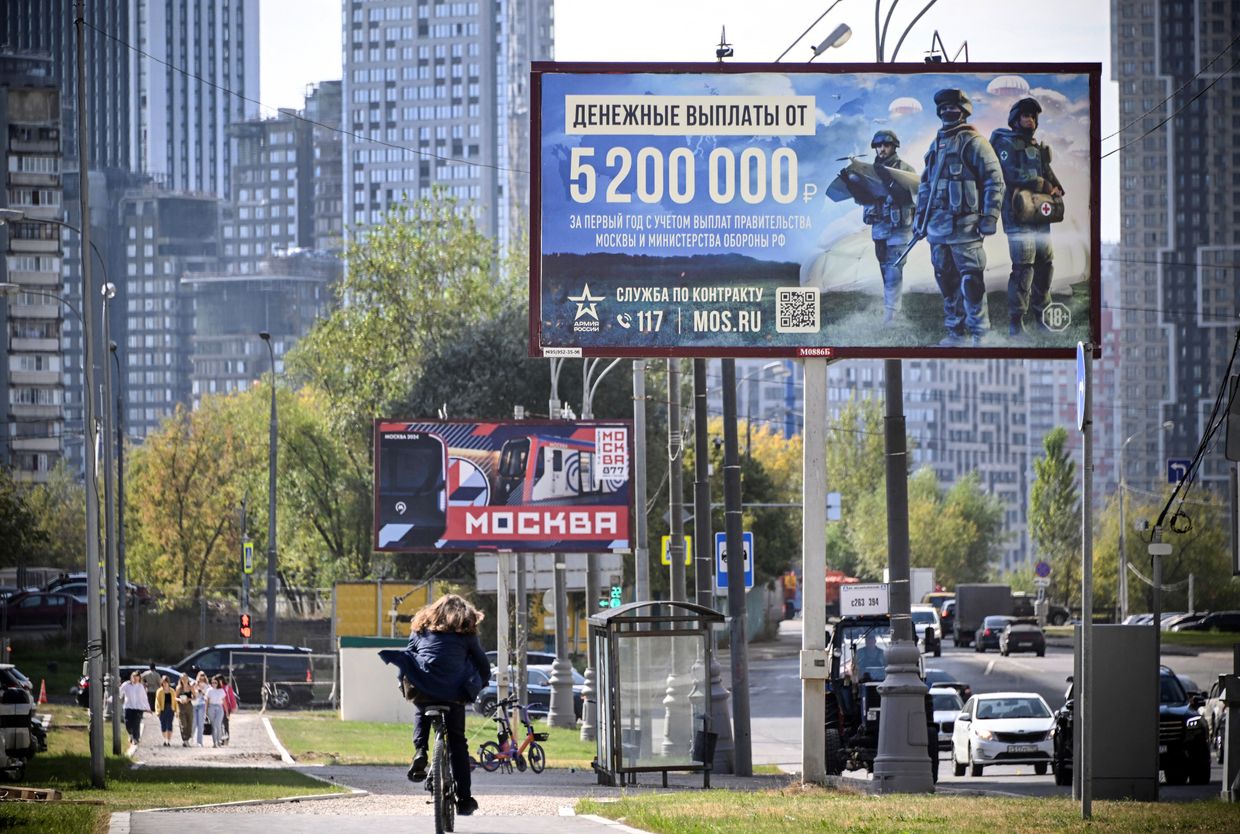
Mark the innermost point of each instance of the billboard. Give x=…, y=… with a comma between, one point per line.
x=520, y=486
x=752, y=210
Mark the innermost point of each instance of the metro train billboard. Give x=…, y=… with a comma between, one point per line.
x=733, y=210
x=521, y=486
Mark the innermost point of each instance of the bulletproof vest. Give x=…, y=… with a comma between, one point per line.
x=1021, y=158
x=896, y=214
x=955, y=187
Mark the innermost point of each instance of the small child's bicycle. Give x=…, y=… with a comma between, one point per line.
x=492, y=755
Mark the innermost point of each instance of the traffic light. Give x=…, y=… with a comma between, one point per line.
x=246, y=629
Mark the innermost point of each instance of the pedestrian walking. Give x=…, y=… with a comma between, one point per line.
x=165, y=708
x=201, y=685
x=150, y=679
x=185, y=708
x=215, y=696
x=230, y=706
x=134, y=701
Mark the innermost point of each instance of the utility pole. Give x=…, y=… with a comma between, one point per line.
x=271, y=496
x=122, y=577
x=115, y=593
x=742, y=756
x=560, y=710
x=641, y=553
x=678, y=724
x=94, y=619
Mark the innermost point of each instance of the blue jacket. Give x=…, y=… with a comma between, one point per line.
x=442, y=665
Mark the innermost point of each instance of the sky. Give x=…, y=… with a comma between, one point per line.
x=300, y=40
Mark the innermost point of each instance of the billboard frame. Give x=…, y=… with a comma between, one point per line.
x=529, y=427
x=1091, y=70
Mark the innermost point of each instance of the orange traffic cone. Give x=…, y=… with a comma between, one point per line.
x=42, y=691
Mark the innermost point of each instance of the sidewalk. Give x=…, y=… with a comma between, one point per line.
x=516, y=803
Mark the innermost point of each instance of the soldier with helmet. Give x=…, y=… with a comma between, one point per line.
x=891, y=219
x=1028, y=175
x=958, y=203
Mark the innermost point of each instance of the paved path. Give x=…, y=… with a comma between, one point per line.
x=249, y=745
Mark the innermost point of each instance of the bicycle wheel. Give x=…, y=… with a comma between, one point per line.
x=538, y=758
x=488, y=756
x=445, y=809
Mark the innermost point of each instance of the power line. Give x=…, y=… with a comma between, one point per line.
x=288, y=112
x=1181, y=109
x=1177, y=91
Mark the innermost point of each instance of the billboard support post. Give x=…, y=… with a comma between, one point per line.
x=560, y=711
x=814, y=660
x=503, y=657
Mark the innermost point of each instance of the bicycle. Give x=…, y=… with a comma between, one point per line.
x=440, y=781
x=505, y=753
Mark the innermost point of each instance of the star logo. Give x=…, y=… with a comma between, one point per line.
x=587, y=304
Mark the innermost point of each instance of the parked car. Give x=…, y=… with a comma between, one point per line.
x=987, y=636
x=531, y=658
x=538, y=690
x=926, y=617
x=1170, y=621
x=42, y=609
x=947, y=706
x=1228, y=621
x=947, y=616
x=1183, y=745
x=75, y=583
x=287, y=670
x=1022, y=636
x=940, y=678
x=1003, y=728
x=81, y=692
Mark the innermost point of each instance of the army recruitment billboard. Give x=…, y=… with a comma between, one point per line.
x=521, y=486
x=847, y=210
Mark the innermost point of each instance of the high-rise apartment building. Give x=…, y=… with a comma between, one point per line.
x=168, y=236
x=32, y=313
x=439, y=91
x=1180, y=223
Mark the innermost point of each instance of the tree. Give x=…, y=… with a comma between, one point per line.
x=426, y=272
x=20, y=533
x=59, y=504
x=1055, y=516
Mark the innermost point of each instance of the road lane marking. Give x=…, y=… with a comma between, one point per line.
x=989, y=668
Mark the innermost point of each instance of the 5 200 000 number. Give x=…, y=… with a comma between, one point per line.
x=650, y=175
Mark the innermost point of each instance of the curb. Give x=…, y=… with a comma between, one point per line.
x=611, y=824
x=271, y=734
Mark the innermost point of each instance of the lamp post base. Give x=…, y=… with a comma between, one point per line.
x=903, y=761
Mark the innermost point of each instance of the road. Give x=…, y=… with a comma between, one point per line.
x=775, y=696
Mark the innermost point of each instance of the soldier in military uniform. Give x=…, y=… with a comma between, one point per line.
x=1026, y=165
x=891, y=220
x=958, y=203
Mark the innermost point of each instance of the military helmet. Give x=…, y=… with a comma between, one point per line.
x=1025, y=105
x=884, y=137
x=953, y=96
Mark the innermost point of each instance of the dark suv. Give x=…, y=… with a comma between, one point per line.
x=288, y=670
x=1183, y=745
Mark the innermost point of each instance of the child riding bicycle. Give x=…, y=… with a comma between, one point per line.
x=443, y=663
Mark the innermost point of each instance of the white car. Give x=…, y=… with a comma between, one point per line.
x=925, y=616
x=947, y=706
x=1003, y=728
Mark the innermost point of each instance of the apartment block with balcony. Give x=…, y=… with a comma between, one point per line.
x=31, y=375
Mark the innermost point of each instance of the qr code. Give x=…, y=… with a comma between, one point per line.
x=796, y=310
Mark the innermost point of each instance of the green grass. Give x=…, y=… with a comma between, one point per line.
x=66, y=767
x=323, y=738
x=797, y=809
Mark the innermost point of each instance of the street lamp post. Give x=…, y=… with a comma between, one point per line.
x=271, y=497
x=108, y=291
x=122, y=578
x=1123, y=524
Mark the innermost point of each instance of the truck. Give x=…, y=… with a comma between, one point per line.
x=853, y=701
x=920, y=582
x=975, y=602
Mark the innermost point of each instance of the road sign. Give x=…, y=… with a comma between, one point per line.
x=721, y=561
x=666, y=558
x=833, y=506
x=1080, y=386
x=1041, y=582
x=1177, y=468
x=247, y=557
x=865, y=599
x=1042, y=569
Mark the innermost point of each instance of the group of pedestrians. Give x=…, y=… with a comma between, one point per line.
x=192, y=704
